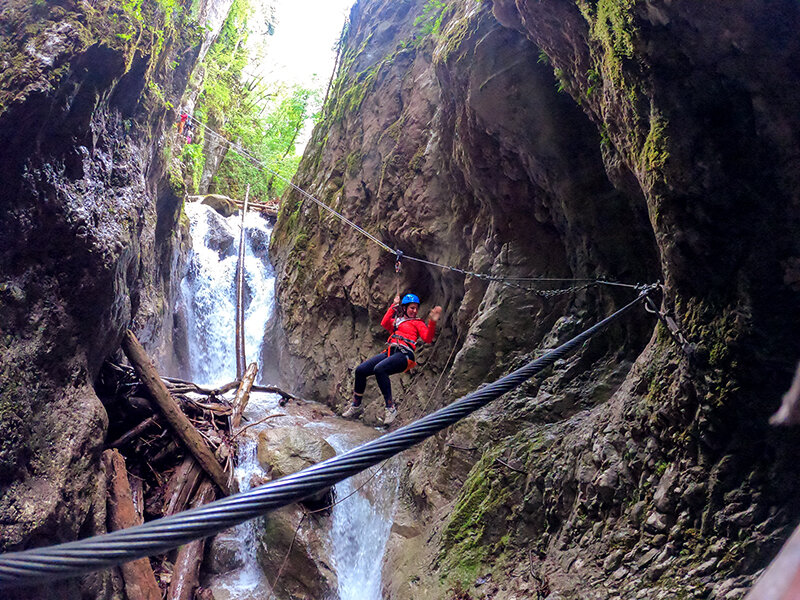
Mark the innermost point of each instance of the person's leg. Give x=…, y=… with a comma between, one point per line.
x=364, y=370
x=396, y=363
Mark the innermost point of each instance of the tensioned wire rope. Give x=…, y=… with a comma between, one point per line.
x=36, y=566
x=581, y=283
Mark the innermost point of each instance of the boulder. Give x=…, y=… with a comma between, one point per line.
x=291, y=449
x=222, y=204
x=305, y=574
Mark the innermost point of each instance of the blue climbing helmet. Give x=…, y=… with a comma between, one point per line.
x=409, y=299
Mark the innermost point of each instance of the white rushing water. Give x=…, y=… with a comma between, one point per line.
x=208, y=292
x=249, y=577
x=361, y=527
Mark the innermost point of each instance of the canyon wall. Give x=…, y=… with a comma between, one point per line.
x=616, y=140
x=92, y=240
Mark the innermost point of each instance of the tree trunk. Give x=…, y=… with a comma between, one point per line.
x=243, y=396
x=181, y=486
x=140, y=582
x=186, y=431
x=240, y=349
x=186, y=572
x=135, y=432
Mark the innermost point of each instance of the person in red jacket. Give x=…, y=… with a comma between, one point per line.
x=405, y=329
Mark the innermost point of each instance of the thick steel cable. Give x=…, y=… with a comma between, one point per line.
x=36, y=566
x=486, y=276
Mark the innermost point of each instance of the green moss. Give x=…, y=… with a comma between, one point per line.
x=416, y=161
x=654, y=153
x=354, y=160
x=466, y=544
x=453, y=38
x=395, y=129
x=611, y=23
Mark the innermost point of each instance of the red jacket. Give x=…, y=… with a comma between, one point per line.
x=408, y=329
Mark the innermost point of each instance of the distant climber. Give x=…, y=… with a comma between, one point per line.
x=405, y=328
x=182, y=123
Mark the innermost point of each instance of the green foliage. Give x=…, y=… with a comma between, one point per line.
x=543, y=58
x=263, y=121
x=594, y=79
x=430, y=21
x=271, y=139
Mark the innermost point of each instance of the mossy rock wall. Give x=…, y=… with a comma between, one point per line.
x=91, y=241
x=634, y=141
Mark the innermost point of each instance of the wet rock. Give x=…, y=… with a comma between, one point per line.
x=306, y=574
x=664, y=497
x=259, y=241
x=613, y=560
x=656, y=523
x=220, y=235
x=221, y=204
x=704, y=568
x=607, y=483
x=694, y=495
x=223, y=554
x=286, y=450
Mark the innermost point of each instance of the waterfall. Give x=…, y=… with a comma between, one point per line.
x=208, y=292
x=249, y=576
x=208, y=297
x=361, y=527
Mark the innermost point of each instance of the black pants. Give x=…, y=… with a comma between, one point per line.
x=381, y=366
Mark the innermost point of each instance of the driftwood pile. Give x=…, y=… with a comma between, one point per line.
x=167, y=451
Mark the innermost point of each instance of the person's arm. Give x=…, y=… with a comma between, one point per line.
x=388, y=319
x=427, y=332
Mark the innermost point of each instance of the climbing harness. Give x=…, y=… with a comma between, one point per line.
x=31, y=567
x=411, y=362
x=580, y=283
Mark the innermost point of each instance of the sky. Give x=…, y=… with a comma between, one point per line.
x=302, y=43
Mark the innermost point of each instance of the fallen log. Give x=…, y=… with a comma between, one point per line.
x=270, y=389
x=181, y=486
x=137, y=575
x=242, y=396
x=137, y=495
x=135, y=432
x=172, y=412
x=186, y=572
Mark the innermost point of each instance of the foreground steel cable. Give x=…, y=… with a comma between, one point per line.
x=39, y=565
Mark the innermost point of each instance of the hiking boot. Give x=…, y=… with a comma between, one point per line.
x=390, y=415
x=353, y=412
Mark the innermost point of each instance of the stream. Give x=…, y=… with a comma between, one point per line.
x=355, y=532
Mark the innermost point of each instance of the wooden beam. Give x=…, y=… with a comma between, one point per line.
x=140, y=581
x=243, y=396
x=172, y=412
x=181, y=486
x=136, y=431
x=240, y=349
x=186, y=572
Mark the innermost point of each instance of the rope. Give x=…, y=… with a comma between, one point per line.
x=74, y=558
x=507, y=281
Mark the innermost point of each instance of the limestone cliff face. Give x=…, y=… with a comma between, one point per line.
x=634, y=141
x=90, y=238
